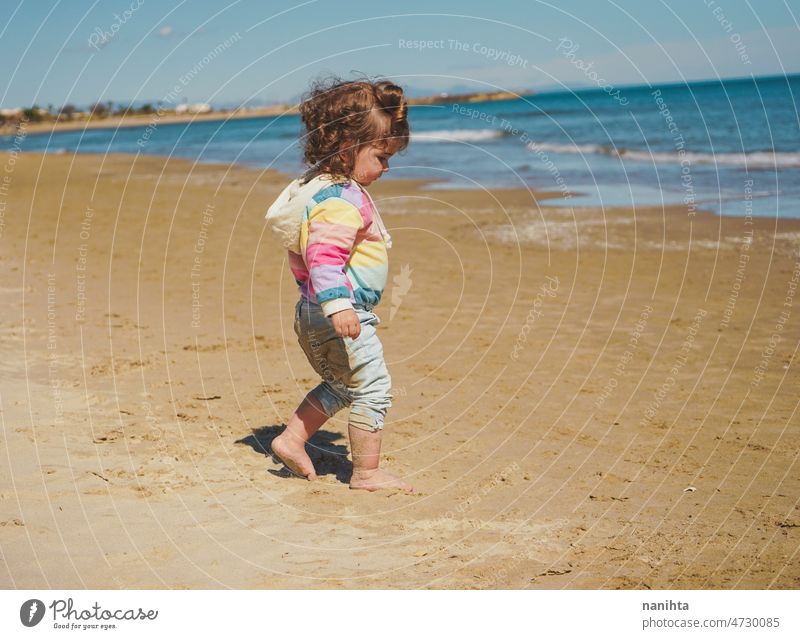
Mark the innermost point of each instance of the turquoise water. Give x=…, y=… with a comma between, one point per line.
x=732, y=147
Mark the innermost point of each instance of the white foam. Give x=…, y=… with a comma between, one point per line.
x=458, y=135
x=754, y=159
x=560, y=235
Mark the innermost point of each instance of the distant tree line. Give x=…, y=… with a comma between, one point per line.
x=69, y=112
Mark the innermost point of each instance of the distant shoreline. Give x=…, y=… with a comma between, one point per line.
x=117, y=122
x=145, y=119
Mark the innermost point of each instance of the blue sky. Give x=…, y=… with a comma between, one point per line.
x=80, y=51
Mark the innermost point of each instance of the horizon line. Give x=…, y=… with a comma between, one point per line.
x=548, y=89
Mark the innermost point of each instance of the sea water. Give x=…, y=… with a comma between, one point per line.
x=731, y=147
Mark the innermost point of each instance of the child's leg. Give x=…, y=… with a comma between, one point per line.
x=365, y=447
x=370, y=387
x=290, y=445
x=324, y=351
x=355, y=374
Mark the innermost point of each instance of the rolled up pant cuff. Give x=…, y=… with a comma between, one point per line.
x=366, y=420
x=330, y=401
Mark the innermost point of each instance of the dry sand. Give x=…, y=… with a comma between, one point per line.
x=612, y=430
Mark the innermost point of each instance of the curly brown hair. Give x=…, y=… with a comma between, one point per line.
x=341, y=116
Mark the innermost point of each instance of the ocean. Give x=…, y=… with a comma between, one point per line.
x=731, y=147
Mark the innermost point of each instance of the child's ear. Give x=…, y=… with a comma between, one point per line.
x=347, y=153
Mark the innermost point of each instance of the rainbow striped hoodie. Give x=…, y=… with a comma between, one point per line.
x=341, y=256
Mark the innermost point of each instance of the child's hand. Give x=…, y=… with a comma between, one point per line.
x=346, y=323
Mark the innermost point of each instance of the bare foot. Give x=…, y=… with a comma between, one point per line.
x=377, y=479
x=292, y=452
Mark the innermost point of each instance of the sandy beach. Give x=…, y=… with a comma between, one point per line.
x=583, y=398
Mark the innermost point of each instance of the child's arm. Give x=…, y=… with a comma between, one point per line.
x=332, y=228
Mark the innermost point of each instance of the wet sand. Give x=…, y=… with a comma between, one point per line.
x=583, y=399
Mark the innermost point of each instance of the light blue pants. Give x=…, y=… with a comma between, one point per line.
x=353, y=371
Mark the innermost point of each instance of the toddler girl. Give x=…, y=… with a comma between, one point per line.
x=337, y=249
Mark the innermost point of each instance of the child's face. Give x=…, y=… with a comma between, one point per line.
x=372, y=161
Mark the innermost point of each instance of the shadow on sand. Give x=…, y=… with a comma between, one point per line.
x=329, y=458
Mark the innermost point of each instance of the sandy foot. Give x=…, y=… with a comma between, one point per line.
x=294, y=457
x=378, y=479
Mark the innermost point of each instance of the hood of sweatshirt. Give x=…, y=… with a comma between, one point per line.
x=285, y=215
